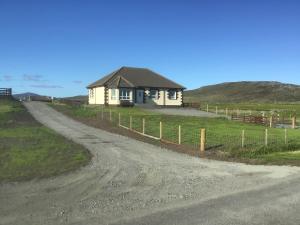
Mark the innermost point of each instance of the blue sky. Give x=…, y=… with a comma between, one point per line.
x=58, y=47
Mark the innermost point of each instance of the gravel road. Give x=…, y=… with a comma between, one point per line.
x=184, y=112
x=130, y=182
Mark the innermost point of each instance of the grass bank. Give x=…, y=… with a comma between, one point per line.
x=29, y=150
x=223, y=136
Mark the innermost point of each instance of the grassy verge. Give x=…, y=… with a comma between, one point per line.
x=29, y=150
x=223, y=136
x=283, y=109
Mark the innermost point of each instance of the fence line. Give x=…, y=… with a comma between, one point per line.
x=204, y=139
x=283, y=118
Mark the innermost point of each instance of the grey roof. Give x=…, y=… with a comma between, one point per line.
x=135, y=77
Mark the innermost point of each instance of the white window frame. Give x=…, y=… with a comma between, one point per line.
x=155, y=96
x=113, y=93
x=124, y=94
x=172, y=97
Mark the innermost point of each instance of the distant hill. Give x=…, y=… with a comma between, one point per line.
x=25, y=95
x=245, y=91
x=82, y=98
x=33, y=96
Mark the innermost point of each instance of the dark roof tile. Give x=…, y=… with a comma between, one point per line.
x=136, y=77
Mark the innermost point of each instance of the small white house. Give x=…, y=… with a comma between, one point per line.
x=129, y=86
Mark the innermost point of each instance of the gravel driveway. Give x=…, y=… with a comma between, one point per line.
x=130, y=182
x=184, y=112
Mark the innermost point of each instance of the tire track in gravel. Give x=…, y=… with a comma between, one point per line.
x=126, y=179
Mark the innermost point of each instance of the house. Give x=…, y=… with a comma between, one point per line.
x=130, y=85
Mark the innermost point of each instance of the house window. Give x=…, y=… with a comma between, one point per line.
x=124, y=94
x=113, y=94
x=154, y=94
x=172, y=94
x=91, y=93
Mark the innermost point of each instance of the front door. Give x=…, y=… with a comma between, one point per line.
x=139, y=96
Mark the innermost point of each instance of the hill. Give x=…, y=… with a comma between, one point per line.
x=25, y=95
x=245, y=91
x=81, y=98
x=33, y=96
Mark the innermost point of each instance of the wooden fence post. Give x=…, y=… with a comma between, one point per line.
x=293, y=122
x=243, y=138
x=202, y=140
x=110, y=117
x=266, y=137
x=271, y=121
x=206, y=107
x=226, y=111
x=130, y=122
x=143, y=125
x=285, y=136
x=102, y=113
x=179, y=135
x=216, y=109
x=119, y=119
x=160, y=130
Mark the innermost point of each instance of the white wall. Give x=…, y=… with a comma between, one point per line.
x=174, y=102
x=163, y=98
x=116, y=101
x=98, y=96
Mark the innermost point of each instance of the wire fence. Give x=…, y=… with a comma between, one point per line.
x=167, y=129
x=280, y=118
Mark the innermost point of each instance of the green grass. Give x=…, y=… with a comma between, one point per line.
x=283, y=109
x=279, y=156
x=222, y=134
x=29, y=150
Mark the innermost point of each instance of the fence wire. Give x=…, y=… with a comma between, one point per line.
x=247, y=140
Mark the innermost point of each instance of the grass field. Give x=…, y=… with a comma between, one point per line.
x=29, y=150
x=223, y=135
x=283, y=109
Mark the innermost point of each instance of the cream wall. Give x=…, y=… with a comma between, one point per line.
x=163, y=98
x=158, y=101
x=175, y=102
x=116, y=101
x=98, y=96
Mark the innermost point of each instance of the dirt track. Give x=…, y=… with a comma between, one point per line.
x=127, y=179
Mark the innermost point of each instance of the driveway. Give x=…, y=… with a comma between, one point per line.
x=130, y=182
x=184, y=112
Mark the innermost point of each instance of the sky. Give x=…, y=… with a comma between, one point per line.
x=58, y=47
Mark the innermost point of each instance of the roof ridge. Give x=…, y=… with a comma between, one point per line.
x=113, y=75
x=134, y=76
x=119, y=79
x=132, y=67
x=163, y=77
x=127, y=81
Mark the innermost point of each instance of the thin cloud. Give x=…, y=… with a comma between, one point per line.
x=77, y=81
x=30, y=77
x=7, y=78
x=46, y=86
